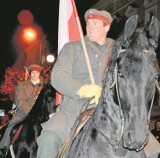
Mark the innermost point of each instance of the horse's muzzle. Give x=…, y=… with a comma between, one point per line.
x=134, y=141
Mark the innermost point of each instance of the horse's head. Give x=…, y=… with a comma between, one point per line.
x=136, y=71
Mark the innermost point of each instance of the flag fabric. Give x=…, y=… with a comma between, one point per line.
x=67, y=28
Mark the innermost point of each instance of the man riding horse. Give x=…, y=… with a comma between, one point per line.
x=70, y=77
x=25, y=97
x=119, y=126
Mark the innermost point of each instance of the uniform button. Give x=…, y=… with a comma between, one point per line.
x=96, y=55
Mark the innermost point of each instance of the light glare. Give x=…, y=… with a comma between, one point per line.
x=30, y=34
x=50, y=58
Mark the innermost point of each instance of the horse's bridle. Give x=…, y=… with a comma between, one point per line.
x=115, y=76
x=115, y=83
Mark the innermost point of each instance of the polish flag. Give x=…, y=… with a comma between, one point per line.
x=67, y=27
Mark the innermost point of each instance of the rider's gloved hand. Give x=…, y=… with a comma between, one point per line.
x=89, y=91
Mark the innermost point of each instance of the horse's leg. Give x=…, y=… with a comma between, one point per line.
x=33, y=150
x=23, y=153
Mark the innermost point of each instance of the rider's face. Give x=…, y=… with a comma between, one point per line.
x=35, y=75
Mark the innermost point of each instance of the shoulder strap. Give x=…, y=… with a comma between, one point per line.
x=109, y=51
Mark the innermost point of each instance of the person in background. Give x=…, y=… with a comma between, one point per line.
x=156, y=130
x=71, y=78
x=25, y=96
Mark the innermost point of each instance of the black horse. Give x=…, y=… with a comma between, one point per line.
x=119, y=126
x=25, y=145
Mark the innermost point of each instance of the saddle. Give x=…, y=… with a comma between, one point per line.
x=82, y=119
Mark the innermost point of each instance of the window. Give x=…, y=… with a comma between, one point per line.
x=152, y=11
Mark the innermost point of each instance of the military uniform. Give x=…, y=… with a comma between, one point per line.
x=71, y=71
x=25, y=96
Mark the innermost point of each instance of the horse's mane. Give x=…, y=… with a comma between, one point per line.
x=39, y=113
x=40, y=110
x=24, y=133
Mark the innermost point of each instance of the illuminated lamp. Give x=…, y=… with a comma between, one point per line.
x=29, y=34
x=50, y=59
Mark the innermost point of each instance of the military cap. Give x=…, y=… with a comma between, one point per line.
x=34, y=67
x=97, y=14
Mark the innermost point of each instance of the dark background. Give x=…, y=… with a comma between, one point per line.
x=45, y=14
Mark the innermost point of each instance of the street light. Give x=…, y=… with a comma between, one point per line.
x=49, y=59
x=29, y=34
x=29, y=40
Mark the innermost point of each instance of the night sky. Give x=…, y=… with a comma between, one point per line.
x=45, y=14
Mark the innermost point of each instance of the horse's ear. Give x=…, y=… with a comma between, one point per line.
x=154, y=29
x=130, y=27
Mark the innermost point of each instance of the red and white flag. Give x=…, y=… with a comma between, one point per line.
x=67, y=27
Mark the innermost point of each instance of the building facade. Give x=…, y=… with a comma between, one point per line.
x=120, y=8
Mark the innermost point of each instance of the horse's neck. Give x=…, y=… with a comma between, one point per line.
x=106, y=118
x=107, y=111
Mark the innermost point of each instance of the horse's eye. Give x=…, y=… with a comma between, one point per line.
x=157, y=76
x=120, y=75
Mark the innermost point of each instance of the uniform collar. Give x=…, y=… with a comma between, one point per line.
x=95, y=43
x=35, y=82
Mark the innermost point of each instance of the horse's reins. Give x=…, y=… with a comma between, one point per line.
x=115, y=83
x=115, y=76
x=118, y=97
x=119, y=102
x=157, y=86
x=74, y=128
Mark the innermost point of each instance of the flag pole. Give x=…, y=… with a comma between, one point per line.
x=83, y=43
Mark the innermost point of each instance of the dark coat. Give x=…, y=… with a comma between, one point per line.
x=69, y=74
x=25, y=97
